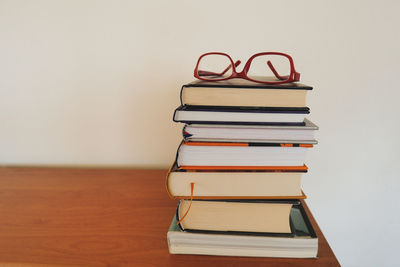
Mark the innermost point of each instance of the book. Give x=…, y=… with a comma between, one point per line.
x=234, y=184
x=303, y=243
x=241, y=154
x=236, y=215
x=250, y=133
x=240, y=115
x=240, y=92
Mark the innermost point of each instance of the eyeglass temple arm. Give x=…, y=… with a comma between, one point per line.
x=296, y=74
x=210, y=73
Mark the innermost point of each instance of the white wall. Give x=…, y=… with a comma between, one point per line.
x=96, y=82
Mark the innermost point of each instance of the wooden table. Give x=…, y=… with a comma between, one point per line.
x=101, y=217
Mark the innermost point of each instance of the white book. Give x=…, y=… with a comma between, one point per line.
x=241, y=154
x=250, y=133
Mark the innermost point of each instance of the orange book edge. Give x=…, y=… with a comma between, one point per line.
x=272, y=168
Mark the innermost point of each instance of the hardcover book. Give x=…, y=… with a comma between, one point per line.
x=248, y=183
x=233, y=154
x=301, y=243
x=250, y=133
x=243, y=216
x=240, y=115
x=239, y=92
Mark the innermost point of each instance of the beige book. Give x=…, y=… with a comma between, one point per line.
x=262, y=217
x=243, y=97
x=239, y=93
x=235, y=184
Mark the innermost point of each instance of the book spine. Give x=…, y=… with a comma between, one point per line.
x=167, y=182
x=173, y=116
x=181, y=95
x=177, y=153
x=185, y=134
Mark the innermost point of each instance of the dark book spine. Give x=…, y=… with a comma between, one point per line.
x=177, y=154
x=307, y=221
x=243, y=123
x=180, y=95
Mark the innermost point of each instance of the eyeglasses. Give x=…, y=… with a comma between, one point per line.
x=267, y=67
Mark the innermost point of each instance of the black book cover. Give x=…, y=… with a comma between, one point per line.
x=242, y=83
x=296, y=110
x=286, y=110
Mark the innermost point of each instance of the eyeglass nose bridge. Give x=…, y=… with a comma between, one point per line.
x=234, y=72
x=242, y=74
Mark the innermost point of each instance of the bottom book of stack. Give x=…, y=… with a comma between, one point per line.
x=297, y=241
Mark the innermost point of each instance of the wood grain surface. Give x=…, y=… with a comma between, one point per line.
x=101, y=217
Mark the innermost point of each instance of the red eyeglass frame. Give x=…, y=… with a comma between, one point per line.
x=292, y=77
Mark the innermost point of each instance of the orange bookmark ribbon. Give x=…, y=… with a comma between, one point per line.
x=191, y=200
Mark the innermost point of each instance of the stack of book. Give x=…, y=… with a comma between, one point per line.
x=238, y=171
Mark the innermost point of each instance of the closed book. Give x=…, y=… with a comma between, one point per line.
x=303, y=243
x=248, y=183
x=237, y=215
x=241, y=115
x=240, y=92
x=233, y=155
x=250, y=133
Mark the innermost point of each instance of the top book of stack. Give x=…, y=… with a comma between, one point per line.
x=244, y=93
